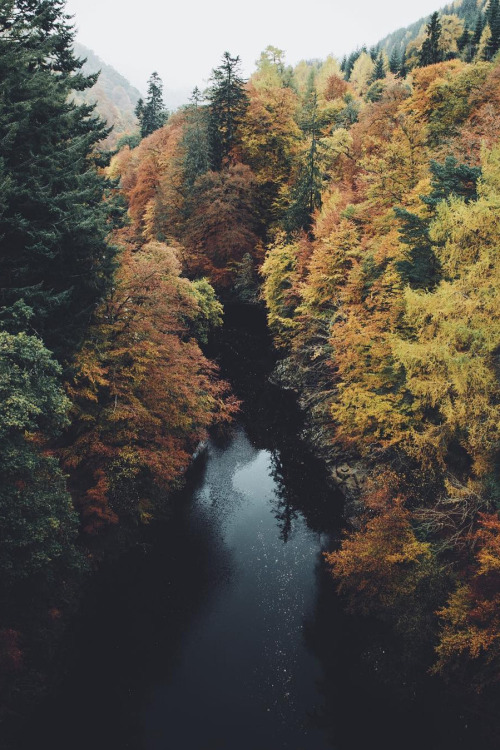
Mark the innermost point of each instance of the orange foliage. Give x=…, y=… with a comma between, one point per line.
x=144, y=394
x=472, y=616
x=151, y=180
x=223, y=225
x=383, y=562
x=335, y=88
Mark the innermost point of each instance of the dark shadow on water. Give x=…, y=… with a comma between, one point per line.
x=130, y=632
x=221, y=629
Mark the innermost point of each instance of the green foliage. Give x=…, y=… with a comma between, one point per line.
x=376, y=91
x=209, y=310
x=493, y=16
x=53, y=219
x=395, y=62
x=379, y=72
x=37, y=521
x=132, y=141
x=228, y=103
x=196, y=141
x=420, y=268
x=305, y=195
x=152, y=114
x=452, y=179
x=431, y=52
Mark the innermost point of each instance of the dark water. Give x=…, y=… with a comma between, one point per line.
x=221, y=630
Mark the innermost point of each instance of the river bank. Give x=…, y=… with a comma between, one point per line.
x=221, y=625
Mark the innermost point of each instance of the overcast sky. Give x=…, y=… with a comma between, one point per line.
x=184, y=40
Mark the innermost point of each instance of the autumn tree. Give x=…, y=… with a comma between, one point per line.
x=383, y=563
x=223, y=226
x=471, y=618
x=270, y=140
x=144, y=394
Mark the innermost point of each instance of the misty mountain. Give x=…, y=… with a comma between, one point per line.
x=467, y=10
x=115, y=97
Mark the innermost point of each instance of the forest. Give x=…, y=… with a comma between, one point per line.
x=358, y=200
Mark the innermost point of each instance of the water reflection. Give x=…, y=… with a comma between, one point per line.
x=245, y=672
x=222, y=630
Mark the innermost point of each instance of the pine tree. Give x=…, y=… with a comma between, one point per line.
x=468, y=10
x=195, y=141
x=306, y=192
x=476, y=36
x=420, y=269
x=464, y=40
x=403, y=70
x=431, y=52
x=379, y=72
x=452, y=179
x=478, y=30
x=493, y=17
x=152, y=114
x=351, y=61
x=228, y=103
x=395, y=62
x=55, y=264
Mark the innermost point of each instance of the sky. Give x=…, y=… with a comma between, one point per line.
x=185, y=39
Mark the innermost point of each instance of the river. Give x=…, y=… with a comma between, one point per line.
x=220, y=628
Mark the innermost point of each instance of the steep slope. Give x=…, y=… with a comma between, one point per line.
x=115, y=96
x=467, y=10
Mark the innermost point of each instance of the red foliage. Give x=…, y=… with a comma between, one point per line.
x=223, y=225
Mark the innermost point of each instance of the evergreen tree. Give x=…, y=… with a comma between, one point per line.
x=228, y=103
x=431, y=52
x=420, y=269
x=403, y=70
x=379, y=72
x=195, y=141
x=478, y=30
x=468, y=10
x=395, y=62
x=152, y=114
x=452, y=179
x=493, y=16
x=307, y=189
x=464, y=39
x=476, y=36
x=351, y=61
x=55, y=264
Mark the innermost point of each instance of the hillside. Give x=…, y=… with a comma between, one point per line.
x=116, y=98
x=466, y=10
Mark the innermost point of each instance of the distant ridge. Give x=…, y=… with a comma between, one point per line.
x=115, y=97
x=464, y=9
